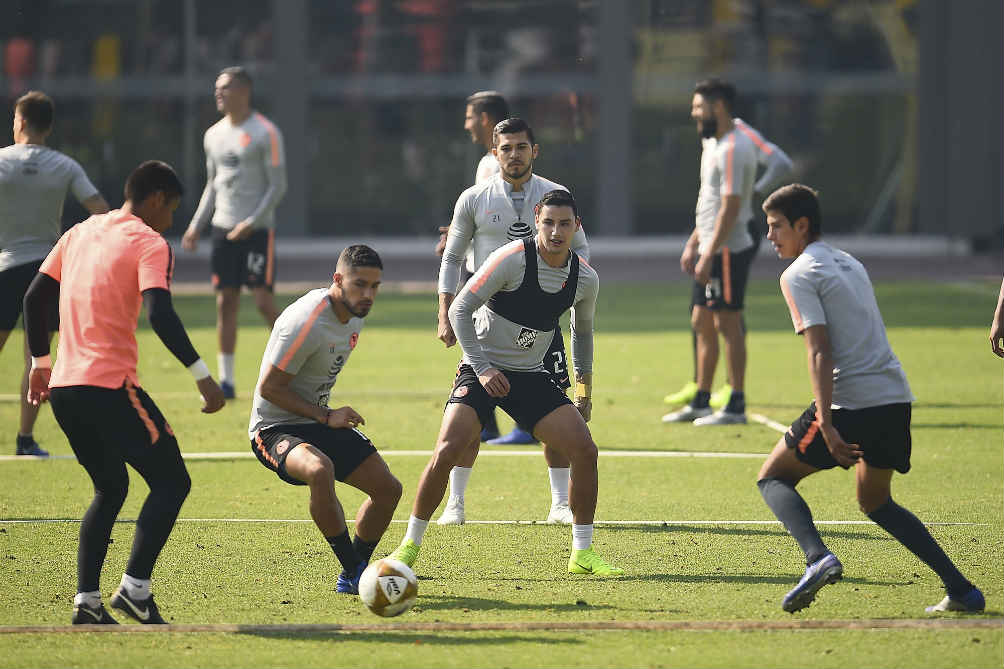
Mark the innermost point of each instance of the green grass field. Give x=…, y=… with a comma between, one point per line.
x=245, y=552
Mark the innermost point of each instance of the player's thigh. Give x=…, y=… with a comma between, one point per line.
x=801, y=451
x=733, y=270
x=374, y=478
x=14, y=283
x=532, y=396
x=345, y=448
x=306, y=463
x=564, y=430
x=459, y=425
x=80, y=411
x=782, y=463
x=460, y=430
x=259, y=259
x=227, y=260
x=873, y=485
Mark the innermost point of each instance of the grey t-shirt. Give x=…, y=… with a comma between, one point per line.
x=34, y=180
x=486, y=218
x=827, y=286
x=728, y=167
x=490, y=340
x=309, y=342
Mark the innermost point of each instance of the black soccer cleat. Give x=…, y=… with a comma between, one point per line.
x=141, y=610
x=86, y=615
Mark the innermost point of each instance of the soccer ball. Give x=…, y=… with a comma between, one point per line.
x=388, y=587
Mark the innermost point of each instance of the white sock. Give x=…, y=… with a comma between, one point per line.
x=582, y=536
x=225, y=362
x=559, y=484
x=89, y=599
x=416, y=529
x=136, y=588
x=459, y=476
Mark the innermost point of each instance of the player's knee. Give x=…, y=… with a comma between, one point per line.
x=320, y=471
x=448, y=452
x=391, y=491
x=868, y=500
x=112, y=491
x=585, y=451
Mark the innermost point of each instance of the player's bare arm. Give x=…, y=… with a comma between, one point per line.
x=688, y=259
x=445, y=329
x=274, y=387
x=817, y=344
x=241, y=231
x=495, y=382
x=997, y=327
x=728, y=214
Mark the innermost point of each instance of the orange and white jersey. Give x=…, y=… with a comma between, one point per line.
x=309, y=342
x=245, y=173
x=728, y=167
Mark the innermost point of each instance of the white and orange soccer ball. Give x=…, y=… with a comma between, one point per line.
x=388, y=587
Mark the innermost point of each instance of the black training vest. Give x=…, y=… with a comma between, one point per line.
x=529, y=305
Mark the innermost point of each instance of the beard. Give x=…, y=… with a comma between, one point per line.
x=519, y=175
x=357, y=310
x=708, y=128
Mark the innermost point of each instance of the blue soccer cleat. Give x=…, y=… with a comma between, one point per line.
x=971, y=602
x=229, y=392
x=823, y=571
x=348, y=584
x=517, y=436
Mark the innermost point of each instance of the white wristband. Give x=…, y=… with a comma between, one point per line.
x=199, y=369
x=44, y=362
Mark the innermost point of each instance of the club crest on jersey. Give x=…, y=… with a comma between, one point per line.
x=460, y=392
x=525, y=338
x=353, y=340
x=519, y=230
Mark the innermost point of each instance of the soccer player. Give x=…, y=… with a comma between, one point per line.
x=505, y=318
x=294, y=432
x=487, y=216
x=245, y=180
x=997, y=327
x=484, y=110
x=719, y=252
x=777, y=167
x=34, y=180
x=100, y=273
x=860, y=416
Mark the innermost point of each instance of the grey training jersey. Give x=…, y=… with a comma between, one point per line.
x=245, y=173
x=776, y=163
x=827, y=286
x=309, y=342
x=490, y=340
x=728, y=167
x=485, y=218
x=34, y=180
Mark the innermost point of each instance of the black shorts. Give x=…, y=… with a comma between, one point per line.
x=532, y=395
x=345, y=447
x=107, y=427
x=883, y=432
x=14, y=284
x=556, y=362
x=248, y=262
x=727, y=287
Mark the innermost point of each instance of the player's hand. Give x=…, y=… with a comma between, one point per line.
x=241, y=231
x=702, y=271
x=344, y=417
x=38, y=385
x=444, y=231
x=445, y=331
x=845, y=454
x=190, y=240
x=688, y=259
x=495, y=382
x=997, y=338
x=585, y=407
x=212, y=395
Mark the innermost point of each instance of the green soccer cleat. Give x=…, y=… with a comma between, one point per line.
x=588, y=561
x=407, y=552
x=682, y=396
x=721, y=397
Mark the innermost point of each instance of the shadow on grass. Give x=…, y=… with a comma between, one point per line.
x=433, y=602
x=743, y=531
x=392, y=636
x=956, y=426
x=745, y=579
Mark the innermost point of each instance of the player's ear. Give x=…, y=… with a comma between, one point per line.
x=536, y=150
x=578, y=223
x=336, y=278
x=801, y=225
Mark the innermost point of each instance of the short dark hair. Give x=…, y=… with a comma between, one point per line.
x=796, y=201
x=491, y=103
x=152, y=176
x=37, y=109
x=359, y=255
x=716, y=89
x=511, y=126
x=238, y=74
x=557, y=198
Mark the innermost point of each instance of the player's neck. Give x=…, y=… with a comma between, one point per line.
x=517, y=184
x=559, y=259
x=238, y=117
x=337, y=306
x=30, y=139
x=725, y=128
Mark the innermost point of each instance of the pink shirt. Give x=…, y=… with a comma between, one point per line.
x=103, y=265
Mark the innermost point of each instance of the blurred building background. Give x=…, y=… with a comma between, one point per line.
x=893, y=108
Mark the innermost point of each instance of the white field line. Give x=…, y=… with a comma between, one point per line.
x=645, y=523
x=773, y=424
x=243, y=455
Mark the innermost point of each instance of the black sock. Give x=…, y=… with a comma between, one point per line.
x=737, y=402
x=794, y=514
x=24, y=439
x=701, y=400
x=364, y=549
x=909, y=531
x=344, y=551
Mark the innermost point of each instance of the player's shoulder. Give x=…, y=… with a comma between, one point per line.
x=736, y=144
x=471, y=194
x=587, y=272
x=216, y=128
x=547, y=185
x=809, y=265
x=263, y=124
